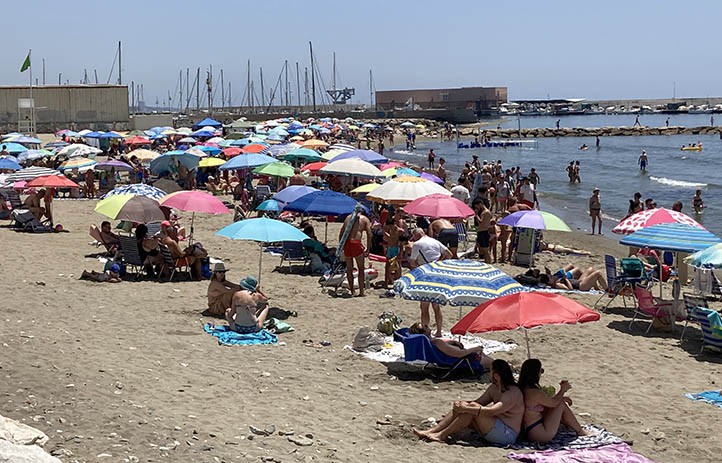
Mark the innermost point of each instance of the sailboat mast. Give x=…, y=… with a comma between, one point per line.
x=263, y=91
x=333, y=84
x=298, y=86
x=313, y=78
x=223, y=92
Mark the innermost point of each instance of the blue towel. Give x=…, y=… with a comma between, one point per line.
x=231, y=338
x=715, y=323
x=711, y=397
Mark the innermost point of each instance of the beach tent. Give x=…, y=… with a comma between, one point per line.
x=207, y=122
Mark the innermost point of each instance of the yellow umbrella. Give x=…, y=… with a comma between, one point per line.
x=211, y=162
x=367, y=188
x=314, y=144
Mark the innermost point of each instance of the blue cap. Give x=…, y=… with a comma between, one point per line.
x=115, y=268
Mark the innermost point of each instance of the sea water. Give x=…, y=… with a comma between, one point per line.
x=672, y=174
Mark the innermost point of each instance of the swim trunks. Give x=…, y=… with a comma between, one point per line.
x=449, y=237
x=353, y=248
x=246, y=329
x=501, y=434
x=392, y=251
x=482, y=238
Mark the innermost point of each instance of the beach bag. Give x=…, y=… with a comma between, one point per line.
x=367, y=340
x=206, y=268
x=388, y=323
x=277, y=326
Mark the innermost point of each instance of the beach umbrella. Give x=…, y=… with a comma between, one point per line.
x=208, y=150
x=130, y=207
x=187, y=140
x=51, y=181
x=231, y=152
x=211, y=162
x=650, y=217
x=538, y=220
x=203, y=133
x=109, y=135
x=332, y=153
x=366, y=188
x=32, y=155
x=710, y=257
x=247, y=161
x=391, y=165
x=136, y=189
x=167, y=185
x=78, y=150
x=143, y=155
x=524, y=310
x=196, y=152
x=57, y=144
x=256, y=148
x=82, y=164
x=6, y=163
x=432, y=178
x=280, y=150
x=30, y=173
x=302, y=154
x=313, y=167
x=314, y=144
x=163, y=162
x=293, y=192
x=456, y=282
x=322, y=202
x=354, y=167
x=262, y=230
x=136, y=141
x=438, y=205
x=404, y=189
x=678, y=237
x=113, y=164
x=24, y=140
x=207, y=122
x=399, y=171
x=341, y=147
x=407, y=124
x=194, y=201
x=365, y=155
x=13, y=148
x=275, y=169
x=269, y=205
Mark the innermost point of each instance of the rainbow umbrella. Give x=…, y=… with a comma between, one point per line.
x=79, y=163
x=538, y=220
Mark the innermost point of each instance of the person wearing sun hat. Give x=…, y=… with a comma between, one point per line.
x=249, y=307
x=220, y=291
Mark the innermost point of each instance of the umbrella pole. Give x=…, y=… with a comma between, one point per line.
x=325, y=238
x=260, y=260
x=190, y=238
x=526, y=337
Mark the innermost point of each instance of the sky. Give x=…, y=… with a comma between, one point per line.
x=538, y=49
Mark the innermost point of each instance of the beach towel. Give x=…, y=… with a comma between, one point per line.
x=710, y=397
x=715, y=323
x=546, y=289
x=568, y=439
x=227, y=337
x=614, y=453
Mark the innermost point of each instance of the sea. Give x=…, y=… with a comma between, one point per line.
x=672, y=174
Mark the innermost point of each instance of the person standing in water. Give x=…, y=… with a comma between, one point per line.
x=697, y=203
x=595, y=209
x=643, y=161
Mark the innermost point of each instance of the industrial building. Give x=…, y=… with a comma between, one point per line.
x=481, y=100
x=102, y=107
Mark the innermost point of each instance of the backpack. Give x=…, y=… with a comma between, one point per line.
x=388, y=323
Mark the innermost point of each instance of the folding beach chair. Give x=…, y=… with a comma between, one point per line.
x=461, y=231
x=131, y=254
x=418, y=348
x=263, y=192
x=294, y=252
x=171, y=263
x=24, y=220
x=692, y=302
x=13, y=197
x=710, y=336
x=617, y=284
x=648, y=306
x=153, y=228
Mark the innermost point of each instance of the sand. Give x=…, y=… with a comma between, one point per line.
x=125, y=373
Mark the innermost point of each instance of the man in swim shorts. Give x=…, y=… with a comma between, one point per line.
x=353, y=249
x=445, y=232
x=482, y=218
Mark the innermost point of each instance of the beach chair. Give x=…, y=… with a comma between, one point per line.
x=24, y=220
x=692, y=302
x=239, y=213
x=461, y=231
x=294, y=252
x=711, y=337
x=13, y=197
x=418, y=348
x=131, y=254
x=171, y=263
x=617, y=284
x=263, y=192
x=153, y=228
x=648, y=306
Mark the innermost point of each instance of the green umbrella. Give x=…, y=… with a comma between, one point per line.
x=275, y=169
x=302, y=154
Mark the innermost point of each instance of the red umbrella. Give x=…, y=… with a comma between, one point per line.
x=649, y=217
x=52, y=181
x=438, y=205
x=524, y=310
x=313, y=167
x=255, y=148
x=137, y=141
x=231, y=152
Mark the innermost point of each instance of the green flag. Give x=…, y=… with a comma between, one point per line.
x=26, y=63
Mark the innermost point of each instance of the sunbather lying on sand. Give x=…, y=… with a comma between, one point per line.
x=451, y=347
x=111, y=276
x=571, y=277
x=559, y=249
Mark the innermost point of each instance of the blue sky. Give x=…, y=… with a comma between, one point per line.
x=588, y=49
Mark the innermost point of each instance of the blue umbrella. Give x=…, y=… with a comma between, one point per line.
x=293, y=192
x=202, y=133
x=671, y=237
x=31, y=155
x=13, y=148
x=708, y=258
x=365, y=155
x=269, y=205
x=109, y=135
x=93, y=134
x=8, y=163
x=457, y=282
x=247, y=161
x=56, y=144
x=280, y=150
x=24, y=139
x=210, y=150
x=207, y=122
x=262, y=230
x=138, y=189
x=323, y=202
x=163, y=162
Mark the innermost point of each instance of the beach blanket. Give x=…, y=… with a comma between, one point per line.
x=546, y=289
x=614, y=453
x=227, y=337
x=568, y=439
x=394, y=351
x=710, y=397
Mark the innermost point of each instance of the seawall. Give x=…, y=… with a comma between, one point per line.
x=595, y=131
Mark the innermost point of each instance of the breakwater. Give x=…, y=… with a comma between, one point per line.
x=593, y=132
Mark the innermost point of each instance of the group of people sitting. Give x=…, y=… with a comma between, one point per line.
x=510, y=409
x=243, y=305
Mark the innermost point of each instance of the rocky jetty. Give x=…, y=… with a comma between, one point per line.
x=595, y=132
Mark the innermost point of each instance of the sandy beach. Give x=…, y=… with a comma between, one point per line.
x=124, y=372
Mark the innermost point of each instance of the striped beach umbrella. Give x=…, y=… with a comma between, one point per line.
x=81, y=164
x=457, y=282
x=679, y=237
x=30, y=173
x=136, y=189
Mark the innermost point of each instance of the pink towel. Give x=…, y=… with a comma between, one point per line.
x=614, y=453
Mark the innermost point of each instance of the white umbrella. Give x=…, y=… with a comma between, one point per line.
x=143, y=154
x=77, y=150
x=403, y=189
x=353, y=166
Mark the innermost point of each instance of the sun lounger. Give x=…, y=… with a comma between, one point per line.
x=24, y=220
x=711, y=333
x=294, y=252
x=691, y=302
x=171, y=263
x=418, y=347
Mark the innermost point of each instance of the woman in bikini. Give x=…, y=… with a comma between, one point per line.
x=595, y=209
x=543, y=414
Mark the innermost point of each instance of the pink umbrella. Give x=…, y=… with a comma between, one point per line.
x=194, y=201
x=439, y=205
x=391, y=165
x=20, y=185
x=649, y=217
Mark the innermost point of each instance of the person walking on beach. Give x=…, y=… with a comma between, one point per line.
x=595, y=209
x=482, y=219
x=636, y=122
x=643, y=160
x=431, y=158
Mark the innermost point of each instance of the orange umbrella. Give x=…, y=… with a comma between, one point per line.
x=137, y=141
x=232, y=151
x=314, y=144
x=255, y=148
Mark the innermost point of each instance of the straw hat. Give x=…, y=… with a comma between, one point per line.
x=219, y=267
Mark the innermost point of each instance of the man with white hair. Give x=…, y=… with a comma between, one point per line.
x=423, y=251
